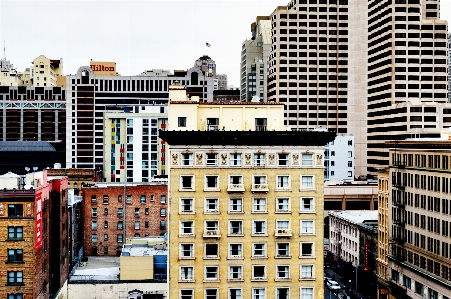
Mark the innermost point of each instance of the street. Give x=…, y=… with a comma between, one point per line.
x=344, y=292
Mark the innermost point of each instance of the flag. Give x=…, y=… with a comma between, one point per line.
x=208, y=45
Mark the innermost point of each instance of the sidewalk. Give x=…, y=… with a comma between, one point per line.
x=331, y=274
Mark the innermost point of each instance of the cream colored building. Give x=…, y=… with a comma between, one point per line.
x=382, y=234
x=44, y=71
x=8, y=75
x=246, y=203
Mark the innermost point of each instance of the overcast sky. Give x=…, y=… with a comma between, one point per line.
x=137, y=35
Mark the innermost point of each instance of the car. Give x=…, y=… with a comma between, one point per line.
x=333, y=286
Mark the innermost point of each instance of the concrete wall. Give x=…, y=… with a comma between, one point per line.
x=112, y=291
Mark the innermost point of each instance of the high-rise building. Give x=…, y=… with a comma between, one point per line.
x=247, y=202
x=317, y=67
x=418, y=215
x=407, y=61
x=339, y=159
x=206, y=65
x=254, y=55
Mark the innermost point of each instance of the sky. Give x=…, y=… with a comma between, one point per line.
x=137, y=35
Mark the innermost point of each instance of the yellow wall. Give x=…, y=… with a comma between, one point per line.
x=136, y=267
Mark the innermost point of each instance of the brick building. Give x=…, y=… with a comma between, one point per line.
x=109, y=219
x=33, y=230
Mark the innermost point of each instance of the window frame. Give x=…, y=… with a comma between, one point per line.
x=254, y=205
x=259, y=278
x=265, y=230
x=14, y=278
x=235, y=159
x=207, y=181
x=259, y=159
x=240, y=228
x=192, y=183
x=301, y=251
x=285, y=270
x=183, y=204
x=278, y=205
x=231, y=273
x=310, y=269
x=313, y=227
x=240, y=250
x=187, y=159
x=211, y=270
x=279, y=250
x=189, y=274
x=304, y=188
x=283, y=159
x=190, y=250
x=263, y=249
x=211, y=159
x=305, y=161
x=280, y=182
x=15, y=231
x=312, y=204
x=207, y=209
x=240, y=205
x=13, y=255
x=181, y=121
x=183, y=227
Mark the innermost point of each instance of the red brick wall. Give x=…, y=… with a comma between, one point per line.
x=153, y=217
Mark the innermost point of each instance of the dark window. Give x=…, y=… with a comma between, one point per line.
x=15, y=232
x=15, y=210
x=15, y=255
x=15, y=277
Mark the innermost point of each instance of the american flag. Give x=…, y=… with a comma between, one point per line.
x=208, y=45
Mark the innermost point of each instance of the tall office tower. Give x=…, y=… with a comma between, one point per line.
x=254, y=59
x=407, y=63
x=418, y=212
x=317, y=67
x=246, y=208
x=449, y=67
x=206, y=65
x=89, y=96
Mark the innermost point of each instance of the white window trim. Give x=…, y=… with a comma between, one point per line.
x=192, y=293
x=190, y=160
x=208, y=211
x=307, y=211
x=235, y=187
x=264, y=278
x=229, y=276
x=260, y=234
x=278, y=256
x=235, y=257
x=240, y=160
x=277, y=278
x=212, y=257
x=302, y=159
x=216, y=160
x=287, y=160
x=193, y=185
x=283, y=231
x=260, y=187
x=235, y=211
x=265, y=256
x=191, y=257
x=180, y=274
x=288, y=188
x=307, y=278
x=216, y=188
x=211, y=279
x=313, y=228
x=313, y=183
x=307, y=287
x=229, y=229
x=241, y=290
x=217, y=292
x=181, y=211
x=265, y=211
x=278, y=211
x=181, y=234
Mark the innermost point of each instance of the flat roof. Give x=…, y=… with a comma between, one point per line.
x=98, y=268
x=357, y=217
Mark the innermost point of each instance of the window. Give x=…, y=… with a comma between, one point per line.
x=259, y=159
x=94, y=238
x=93, y=199
x=283, y=293
x=349, y=154
x=105, y=211
x=259, y=205
x=187, y=227
x=306, y=293
x=211, y=294
x=186, y=250
x=235, y=159
x=419, y=288
x=105, y=237
x=283, y=272
x=15, y=255
x=137, y=225
x=146, y=224
x=282, y=159
x=15, y=296
x=258, y=293
x=120, y=238
x=211, y=273
x=212, y=159
x=235, y=205
x=146, y=211
x=211, y=182
x=258, y=249
x=152, y=198
x=283, y=204
x=306, y=226
x=120, y=212
x=142, y=199
x=129, y=199
x=120, y=225
x=235, y=227
x=187, y=159
x=282, y=249
x=211, y=205
x=163, y=199
x=162, y=225
x=15, y=278
x=258, y=272
x=187, y=182
x=349, y=163
x=407, y=282
x=307, y=159
x=306, y=271
x=105, y=199
x=211, y=250
x=93, y=225
x=186, y=294
x=162, y=212
x=236, y=182
x=282, y=224
x=259, y=227
x=211, y=226
x=306, y=204
x=306, y=249
x=94, y=212
x=235, y=250
x=182, y=121
x=283, y=182
x=259, y=183
x=136, y=212
x=349, y=174
x=186, y=273
x=233, y=294
x=119, y=198
x=186, y=205
x=394, y=275
x=235, y=272
x=307, y=182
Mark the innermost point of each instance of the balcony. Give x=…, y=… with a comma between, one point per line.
x=212, y=234
x=260, y=128
x=212, y=128
x=236, y=188
x=283, y=233
x=259, y=188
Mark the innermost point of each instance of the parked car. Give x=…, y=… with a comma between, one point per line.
x=333, y=286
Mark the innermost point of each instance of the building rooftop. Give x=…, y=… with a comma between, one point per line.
x=357, y=217
x=98, y=268
x=26, y=146
x=253, y=138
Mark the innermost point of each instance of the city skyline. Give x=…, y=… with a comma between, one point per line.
x=96, y=35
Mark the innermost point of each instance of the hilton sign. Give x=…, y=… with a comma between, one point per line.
x=101, y=68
